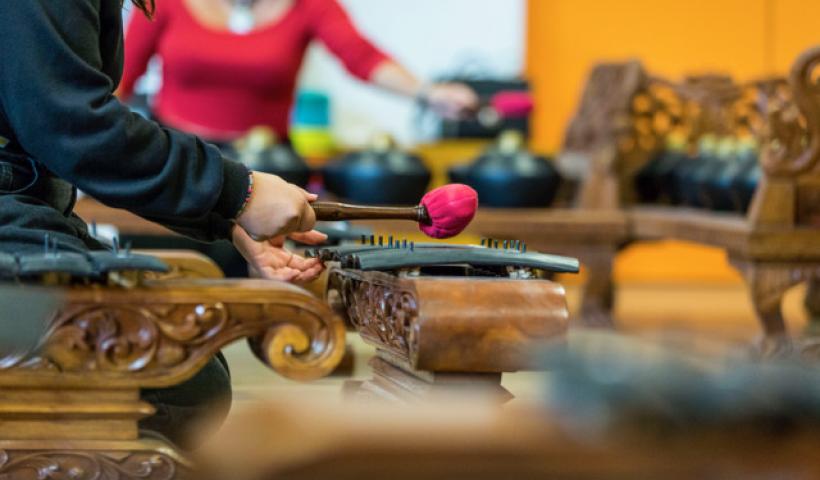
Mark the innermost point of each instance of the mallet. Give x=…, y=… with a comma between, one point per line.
x=443, y=212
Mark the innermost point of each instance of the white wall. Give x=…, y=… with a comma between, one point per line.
x=431, y=38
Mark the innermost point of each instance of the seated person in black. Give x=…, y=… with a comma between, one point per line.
x=61, y=128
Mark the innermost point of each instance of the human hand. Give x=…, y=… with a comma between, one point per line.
x=276, y=208
x=451, y=100
x=270, y=259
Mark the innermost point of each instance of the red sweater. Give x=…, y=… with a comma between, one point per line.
x=219, y=84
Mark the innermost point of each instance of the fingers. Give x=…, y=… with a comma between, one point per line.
x=283, y=274
x=298, y=270
x=301, y=263
x=312, y=237
x=310, y=274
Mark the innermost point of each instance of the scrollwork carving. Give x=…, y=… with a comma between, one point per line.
x=164, y=341
x=381, y=307
x=791, y=135
x=58, y=465
x=125, y=338
x=603, y=117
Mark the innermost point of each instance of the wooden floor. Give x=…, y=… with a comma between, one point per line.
x=722, y=310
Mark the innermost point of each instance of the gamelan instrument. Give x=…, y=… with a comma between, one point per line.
x=441, y=315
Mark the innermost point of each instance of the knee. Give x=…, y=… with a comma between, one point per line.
x=188, y=412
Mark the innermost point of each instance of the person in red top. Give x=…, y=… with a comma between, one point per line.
x=230, y=65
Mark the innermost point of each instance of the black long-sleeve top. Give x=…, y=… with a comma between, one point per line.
x=60, y=62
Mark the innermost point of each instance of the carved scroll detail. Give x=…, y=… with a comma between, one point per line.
x=161, y=342
x=792, y=132
x=58, y=465
x=382, y=308
x=603, y=117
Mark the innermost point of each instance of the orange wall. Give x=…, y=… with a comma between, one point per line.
x=745, y=38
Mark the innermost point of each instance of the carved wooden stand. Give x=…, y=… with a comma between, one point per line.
x=69, y=408
x=440, y=335
x=623, y=119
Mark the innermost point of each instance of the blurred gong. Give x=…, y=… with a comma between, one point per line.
x=721, y=186
x=380, y=174
x=654, y=182
x=704, y=177
x=507, y=175
x=689, y=172
x=260, y=150
x=745, y=184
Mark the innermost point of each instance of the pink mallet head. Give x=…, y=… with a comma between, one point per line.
x=450, y=208
x=510, y=104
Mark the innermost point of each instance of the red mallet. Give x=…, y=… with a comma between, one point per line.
x=511, y=104
x=450, y=209
x=443, y=213
x=505, y=105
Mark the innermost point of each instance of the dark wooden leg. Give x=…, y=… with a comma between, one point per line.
x=810, y=346
x=812, y=303
x=597, y=296
x=767, y=283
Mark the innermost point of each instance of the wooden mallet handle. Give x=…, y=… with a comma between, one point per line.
x=331, y=211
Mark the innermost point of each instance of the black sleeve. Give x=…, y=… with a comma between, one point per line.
x=62, y=112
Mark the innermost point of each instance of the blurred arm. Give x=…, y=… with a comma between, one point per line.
x=142, y=38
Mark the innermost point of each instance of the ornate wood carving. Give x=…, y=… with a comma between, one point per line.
x=147, y=458
x=70, y=405
x=603, y=116
x=159, y=335
x=451, y=324
x=600, y=127
x=791, y=136
x=88, y=465
x=777, y=239
x=380, y=307
x=767, y=283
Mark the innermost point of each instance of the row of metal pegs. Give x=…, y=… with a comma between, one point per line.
x=51, y=246
x=379, y=241
x=505, y=244
x=402, y=244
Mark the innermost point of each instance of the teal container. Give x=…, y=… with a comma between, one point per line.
x=312, y=110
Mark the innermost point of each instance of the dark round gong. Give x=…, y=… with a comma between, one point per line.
x=381, y=174
x=507, y=175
